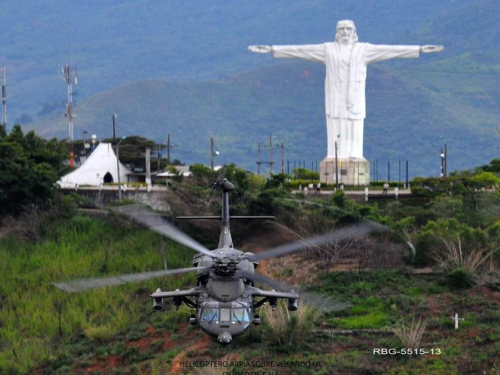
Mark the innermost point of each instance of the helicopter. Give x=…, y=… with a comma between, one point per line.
x=225, y=297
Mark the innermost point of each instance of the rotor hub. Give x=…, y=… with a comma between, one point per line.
x=225, y=266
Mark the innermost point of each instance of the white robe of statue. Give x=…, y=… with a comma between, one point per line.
x=346, y=63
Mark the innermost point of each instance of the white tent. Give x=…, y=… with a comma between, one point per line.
x=100, y=167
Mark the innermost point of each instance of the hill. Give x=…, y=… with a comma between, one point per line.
x=409, y=108
x=121, y=40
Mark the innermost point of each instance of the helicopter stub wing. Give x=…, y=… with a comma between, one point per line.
x=179, y=293
x=272, y=293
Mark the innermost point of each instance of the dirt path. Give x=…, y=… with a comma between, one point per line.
x=203, y=343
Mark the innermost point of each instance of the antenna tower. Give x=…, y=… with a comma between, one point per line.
x=67, y=71
x=4, y=98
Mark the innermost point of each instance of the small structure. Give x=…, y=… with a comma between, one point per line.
x=182, y=170
x=100, y=167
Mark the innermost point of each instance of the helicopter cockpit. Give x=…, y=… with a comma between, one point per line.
x=224, y=319
x=233, y=315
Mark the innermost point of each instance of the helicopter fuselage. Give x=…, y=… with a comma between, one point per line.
x=224, y=299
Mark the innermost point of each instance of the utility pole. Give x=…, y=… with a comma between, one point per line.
x=336, y=168
x=388, y=171
x=4, y=98
x=271, y=155
x=282, y=158
x=407, y=177
x=148, y=166
x=67, y=71
x=259, y=162
x=444, y=160
x=118, y=168
x=270, y=162
x=113, y=118
x=399, y=179
x=169, y=147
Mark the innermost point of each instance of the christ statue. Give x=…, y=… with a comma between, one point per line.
x=346, y=61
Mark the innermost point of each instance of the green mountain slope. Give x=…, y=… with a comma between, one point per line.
x=118, y=41
x=408, y=110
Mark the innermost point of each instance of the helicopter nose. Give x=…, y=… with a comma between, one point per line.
x=224, y=338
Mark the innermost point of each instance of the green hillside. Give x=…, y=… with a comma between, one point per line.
x=173, y=68
x=409, y=108
x=119, y=41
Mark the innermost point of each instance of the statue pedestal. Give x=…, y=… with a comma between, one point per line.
x=352, y=171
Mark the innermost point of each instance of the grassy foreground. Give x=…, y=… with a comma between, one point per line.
x=114, y=331
x=38, y=321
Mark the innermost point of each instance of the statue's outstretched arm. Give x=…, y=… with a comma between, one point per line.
x=431, y=49
x=311, y=52
x=260, y=49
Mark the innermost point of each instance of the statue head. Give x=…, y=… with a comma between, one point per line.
x=346, y=32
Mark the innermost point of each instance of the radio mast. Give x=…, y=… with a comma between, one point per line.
x=67, y=71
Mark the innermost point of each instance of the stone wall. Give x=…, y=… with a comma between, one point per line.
x=156, y=199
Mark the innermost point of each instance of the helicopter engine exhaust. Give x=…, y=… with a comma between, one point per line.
x=225, y=338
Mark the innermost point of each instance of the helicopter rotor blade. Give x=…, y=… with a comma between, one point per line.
x=348, y=232
x=313, y=299
x=78, y=286
x=264, y=280
x=156, y=223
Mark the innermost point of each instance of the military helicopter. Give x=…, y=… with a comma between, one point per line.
x=225, y=297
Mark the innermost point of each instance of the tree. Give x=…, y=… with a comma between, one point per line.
x=132, y=152
x=29, y=169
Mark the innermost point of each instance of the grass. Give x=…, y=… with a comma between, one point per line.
x=410, y=333
x=36, y=317
x=47, y=330
x=454, y=256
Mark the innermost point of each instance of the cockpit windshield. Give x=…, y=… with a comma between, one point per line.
x=236, y=315
x=240, y=315
x=210, y=315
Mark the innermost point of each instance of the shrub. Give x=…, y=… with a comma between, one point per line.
x=459, y=278
x=286, y=327
x=99, y=333
x=410, y=334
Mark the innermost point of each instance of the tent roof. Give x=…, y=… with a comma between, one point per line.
x=101, y=162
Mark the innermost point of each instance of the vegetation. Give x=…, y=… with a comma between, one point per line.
x=453, y=227
x=29, y=169
x=40, y=322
